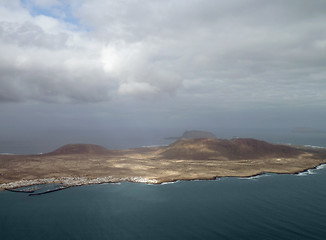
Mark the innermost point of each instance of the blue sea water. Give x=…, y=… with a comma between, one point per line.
x=272, y=206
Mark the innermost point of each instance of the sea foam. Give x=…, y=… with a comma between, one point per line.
x=256, y=177
x=165, y=183
x=307, y=172
x=312, y=146
x=322, y=166
x=312, y=171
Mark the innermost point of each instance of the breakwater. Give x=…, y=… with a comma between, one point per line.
x=48, y=191
x=19, y=191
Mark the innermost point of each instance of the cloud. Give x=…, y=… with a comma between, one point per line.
x=226, y=53
x=139, y=69
x=28, y=34
x=43, y=59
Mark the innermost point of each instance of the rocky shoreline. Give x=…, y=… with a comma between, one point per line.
x=75, y=181
x=67, y=182
x=186, y=159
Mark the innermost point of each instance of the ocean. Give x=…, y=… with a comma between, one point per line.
x=271, y=206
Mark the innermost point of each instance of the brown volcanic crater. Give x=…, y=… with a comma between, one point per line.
x=80, y=149
x=234, y=149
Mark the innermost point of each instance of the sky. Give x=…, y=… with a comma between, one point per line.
x=161, y=65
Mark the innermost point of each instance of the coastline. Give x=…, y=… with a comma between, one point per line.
x=68, y=182
x=184, y=160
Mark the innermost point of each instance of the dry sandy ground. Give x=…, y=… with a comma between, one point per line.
x=141, y=165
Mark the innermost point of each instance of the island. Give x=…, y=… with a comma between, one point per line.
x=194, y=134
x=185, y=159
x=306, y=130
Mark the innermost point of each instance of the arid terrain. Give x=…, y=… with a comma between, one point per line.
x=186, y=159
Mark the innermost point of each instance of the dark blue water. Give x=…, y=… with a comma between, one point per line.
x=268, y=207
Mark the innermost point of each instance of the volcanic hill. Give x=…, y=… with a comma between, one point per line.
x=197, y=134
x=186, y=159
x=80, y=149
x=234, y=149
x=194, y=134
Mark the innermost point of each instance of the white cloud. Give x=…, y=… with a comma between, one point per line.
x=137, y=71
x=137, y=89
x=43, y=59
x=235, y=52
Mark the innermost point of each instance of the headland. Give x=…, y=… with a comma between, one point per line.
x=185, y=159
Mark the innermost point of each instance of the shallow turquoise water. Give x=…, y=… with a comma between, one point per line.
x=268, y=207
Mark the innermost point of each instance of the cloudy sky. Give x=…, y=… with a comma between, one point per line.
x=154, y=64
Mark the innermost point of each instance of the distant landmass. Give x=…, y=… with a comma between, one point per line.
x=185, y=159
x=307, y=130
x=194, y=134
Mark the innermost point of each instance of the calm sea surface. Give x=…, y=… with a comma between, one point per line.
x=268, y=207
x=271, y=206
